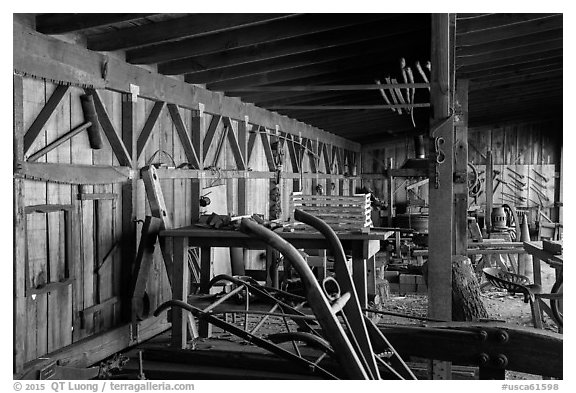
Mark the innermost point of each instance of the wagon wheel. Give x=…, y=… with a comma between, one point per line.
x=556, y=304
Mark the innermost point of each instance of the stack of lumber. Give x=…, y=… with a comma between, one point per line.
x=342, y=213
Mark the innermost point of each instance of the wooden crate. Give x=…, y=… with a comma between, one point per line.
x=342, y=213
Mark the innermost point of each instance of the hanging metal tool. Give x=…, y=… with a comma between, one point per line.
x=540, y=175
x=521, y=176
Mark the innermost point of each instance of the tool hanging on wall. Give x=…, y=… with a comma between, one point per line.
x=521, y=176
x=91, y=125
x=94, y=135
x=540, y=175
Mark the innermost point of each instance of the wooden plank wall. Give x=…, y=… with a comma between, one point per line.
x=375, y=161
x=529, y=145
x=49, y=322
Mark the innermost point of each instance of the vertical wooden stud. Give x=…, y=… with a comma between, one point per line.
x=19, y=245
x=129, y=201
x=198, y=131
x=441, y=184
x=461, y=168
x=180, y=292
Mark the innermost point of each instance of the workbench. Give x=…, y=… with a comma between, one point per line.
x=362, y=246
x=538, y=255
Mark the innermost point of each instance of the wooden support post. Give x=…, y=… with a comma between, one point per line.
x=198, y=131
x=204, y=328
x=461, y=168
x=129, y=201
x=19, y=244
x=441, y=186
x=489, y=190
x=180, y=274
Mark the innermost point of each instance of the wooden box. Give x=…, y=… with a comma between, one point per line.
x=342, y=213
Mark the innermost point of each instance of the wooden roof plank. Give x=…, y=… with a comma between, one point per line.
x=533, y=49
x=511, y=43
x=253, y=35
x=287, y=62
x=46, y=57
x=175, y=29
x=493, y=21
x=360, y=63
x=513, y=61
x=301, y=44
x=518, y=30
x=67, y=23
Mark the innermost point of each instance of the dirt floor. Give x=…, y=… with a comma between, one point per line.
x=500, y=305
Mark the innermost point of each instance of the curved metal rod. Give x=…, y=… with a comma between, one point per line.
x=255, y=284
x=333, y=331
x=268, y=345
x=259, y=292
x=352, y=309
x=310, y=339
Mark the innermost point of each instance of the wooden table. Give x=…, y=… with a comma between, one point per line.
x=363, y=247
x=539, y=254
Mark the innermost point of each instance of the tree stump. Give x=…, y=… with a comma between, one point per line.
x=467, y=304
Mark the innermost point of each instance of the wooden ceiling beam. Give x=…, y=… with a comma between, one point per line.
x=344, y=53
x=514, y=61
x=511, y=43
x=67, y=23
x=48, y=57
x=507, y=32
x=359, y=63
x=177, y=29
x=253, y=35
x=494, y=21
x=301, y=44
x=533, y=49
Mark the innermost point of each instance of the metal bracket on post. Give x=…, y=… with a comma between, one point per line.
x=134, y=92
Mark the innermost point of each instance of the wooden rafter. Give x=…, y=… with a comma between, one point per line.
x=148, y=126
x=177, y=29
x=34, y=54
x=43, y=117
x=321, y=56
x=532, y=49
x=189, y=150
x=253, y=35
x=116, y=143
x=284, y=76
x=287, y=47
x=521, y=29
x=496, y=21
x=66, y=23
